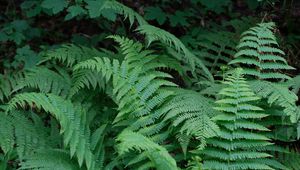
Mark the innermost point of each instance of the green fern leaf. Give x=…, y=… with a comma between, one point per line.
x=71, y=118
x=238, y=144
x=157, y=154
x=258, y=49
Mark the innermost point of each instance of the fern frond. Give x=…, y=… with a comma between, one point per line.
x=259, y=50
x=6, y=133
x=245, y=164
x=48, y=159
x=215, y=50
x=71, y=54
x=156, y=34
x=92, y=73
x=157, y=154
x=71, y=118
x=8, y=83
x=138, y=88
x=46, y=80
x=125, y=11
x=295, y=84
x=238, y=144
x=278, y=94
x=136, y=92
x=290, y=158
x=192, y=112
x=86, y=78
x=102, y=65
x=20, y=132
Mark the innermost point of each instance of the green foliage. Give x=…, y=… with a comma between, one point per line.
x=258, y=48
x=192, y=112
x=71, y=54
x=46, y=81
x=290, y=158
x=155, y=13
x=8, y=83
x=238, y=145
x=216, y=6
x=97, y=85
x=54, y=5
x=72, y=120
x=278, y=94
x=14, y=31
x=158, y=154
x=295, y=84
x=26, y=57
x=153, y=34
x=215, y=49
x=49, y=159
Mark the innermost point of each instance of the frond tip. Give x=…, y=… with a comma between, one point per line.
x=259, y=50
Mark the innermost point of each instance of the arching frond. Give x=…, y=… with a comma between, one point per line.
x=71, y=54
x=125, y=11
x=157, y=154
x=278, y=94
x=72, y=120
x=156, y=34
x=46, y=81
x=92, y=73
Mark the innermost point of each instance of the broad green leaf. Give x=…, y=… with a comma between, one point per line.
x=55, y=5
x=27, y=56
x=74, y=11
x=179, y=19
x=155, y=13
x=217, y=6
x=95, y=7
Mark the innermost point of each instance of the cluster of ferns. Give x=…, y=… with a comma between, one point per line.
x=122, y=108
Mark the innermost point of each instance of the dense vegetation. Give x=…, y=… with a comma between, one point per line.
x=183, y=84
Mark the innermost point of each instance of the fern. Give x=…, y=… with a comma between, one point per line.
x=153, y=34
x=8, y=83
x=215, y=50
x=86, y=78
x=138, y=88
x=125, y=11
x=6, y=133
x=84, y=107
x=191, y=112
x=290, y=158
x=135, y=141
x=93, y=72
x=294, y=83
x=46, y=80
x=72, y=121
x=237, y=146
x=48, y=159
x=71, y=54
x=259, y=50
x=135, y=91
x=278, y=94
x=23, y=134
